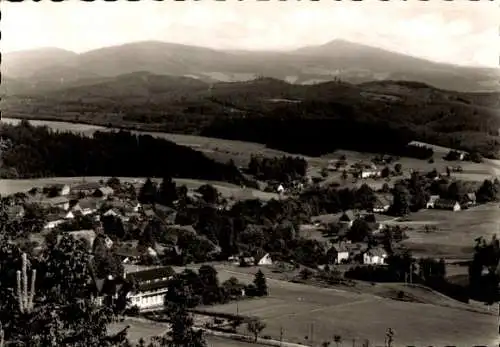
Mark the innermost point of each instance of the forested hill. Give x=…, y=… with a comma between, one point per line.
x=307, y=119
x=30, y=151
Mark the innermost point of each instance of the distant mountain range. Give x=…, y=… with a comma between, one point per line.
x=49, y=69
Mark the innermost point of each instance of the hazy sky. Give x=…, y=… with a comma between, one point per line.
x=460, y=31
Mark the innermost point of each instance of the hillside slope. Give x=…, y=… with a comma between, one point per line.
x=309, y=119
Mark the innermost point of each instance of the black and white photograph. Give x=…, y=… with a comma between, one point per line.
x=207, y=173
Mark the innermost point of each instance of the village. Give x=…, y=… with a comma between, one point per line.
x=81, y=211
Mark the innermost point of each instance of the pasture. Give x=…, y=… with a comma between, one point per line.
x=455, y=231
x=319, y=313
x=147, y=329
x=227, y=190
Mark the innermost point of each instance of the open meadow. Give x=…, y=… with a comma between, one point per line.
x=147, y=329
x=454, y=234
x=227, y=190
x=319, y=313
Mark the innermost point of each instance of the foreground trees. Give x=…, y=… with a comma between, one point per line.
x=61, y=310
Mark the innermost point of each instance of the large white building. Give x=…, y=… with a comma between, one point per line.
x=152, y=287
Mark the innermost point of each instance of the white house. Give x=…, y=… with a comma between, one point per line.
x=374, y=256
x=69, y=215
x=280, y=189
x=383, y=203
x=338, y=253
x=60, y=202
x=369, y=173
x=432, y=200
x=265, y=260
x=445, y=204
x=153, y=285
x=53, y=221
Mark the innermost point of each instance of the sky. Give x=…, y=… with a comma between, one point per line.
x=458, y=32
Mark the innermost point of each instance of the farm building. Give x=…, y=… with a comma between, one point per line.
x=103, y=192
x=85, y=206
x=369, y=173
x=445, y=204
x=53, y=221
x=374, y=256
x=338, y=253
x=347, y=218
x=383, y=203
x=265, y=260
x=61, y=202
x=86, y=188
x=61, y=189
x=470, y=199
x=432, y=200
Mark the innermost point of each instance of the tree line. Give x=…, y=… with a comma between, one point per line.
x=39, y=152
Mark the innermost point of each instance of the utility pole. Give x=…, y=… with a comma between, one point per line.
x=281, y=335
x=312, y=334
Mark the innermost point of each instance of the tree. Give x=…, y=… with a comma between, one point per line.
x=401, y=200
x=167, y=193
x=209, y=193
x=147, y=193
x=398, y=168
x=61, y=312
x=260, y=284
x=255, y=327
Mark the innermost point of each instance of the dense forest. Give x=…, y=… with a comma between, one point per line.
x=38, y=152
x=305, y=119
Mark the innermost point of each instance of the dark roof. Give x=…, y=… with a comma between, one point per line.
x=383, y=200
x=376, y=252
x=347, y=216
x=160, y=284
x=87, y=186
x=445, y=203
x=471, y=196
x=56, y=200
x=151, y=274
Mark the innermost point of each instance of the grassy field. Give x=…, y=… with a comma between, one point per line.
x=146, y=330
x=227, y=190
x=456, y=231
x=240, y=151
x=298, y=308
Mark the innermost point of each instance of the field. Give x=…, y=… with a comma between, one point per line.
x=319, y=313
x=456, y=231
x=227, y=190
x=146, y=330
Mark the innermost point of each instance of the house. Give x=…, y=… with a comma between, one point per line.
x=85, y=206
x=383, y=203
x=265, y=260
x=60, y=202
x=374, y=256
x=166, y=214
x=58, y=189
x=128, y=253
x=369, y=173
x=86, y=188
x=338, y=253
x=113, y=212
x=470, y=199
x=53, y=221
x=152, y=286
x=445, y=204
x=103, y=192
x=432, y=201
x=347, y=218
x=280, y=189
x=69, y=215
